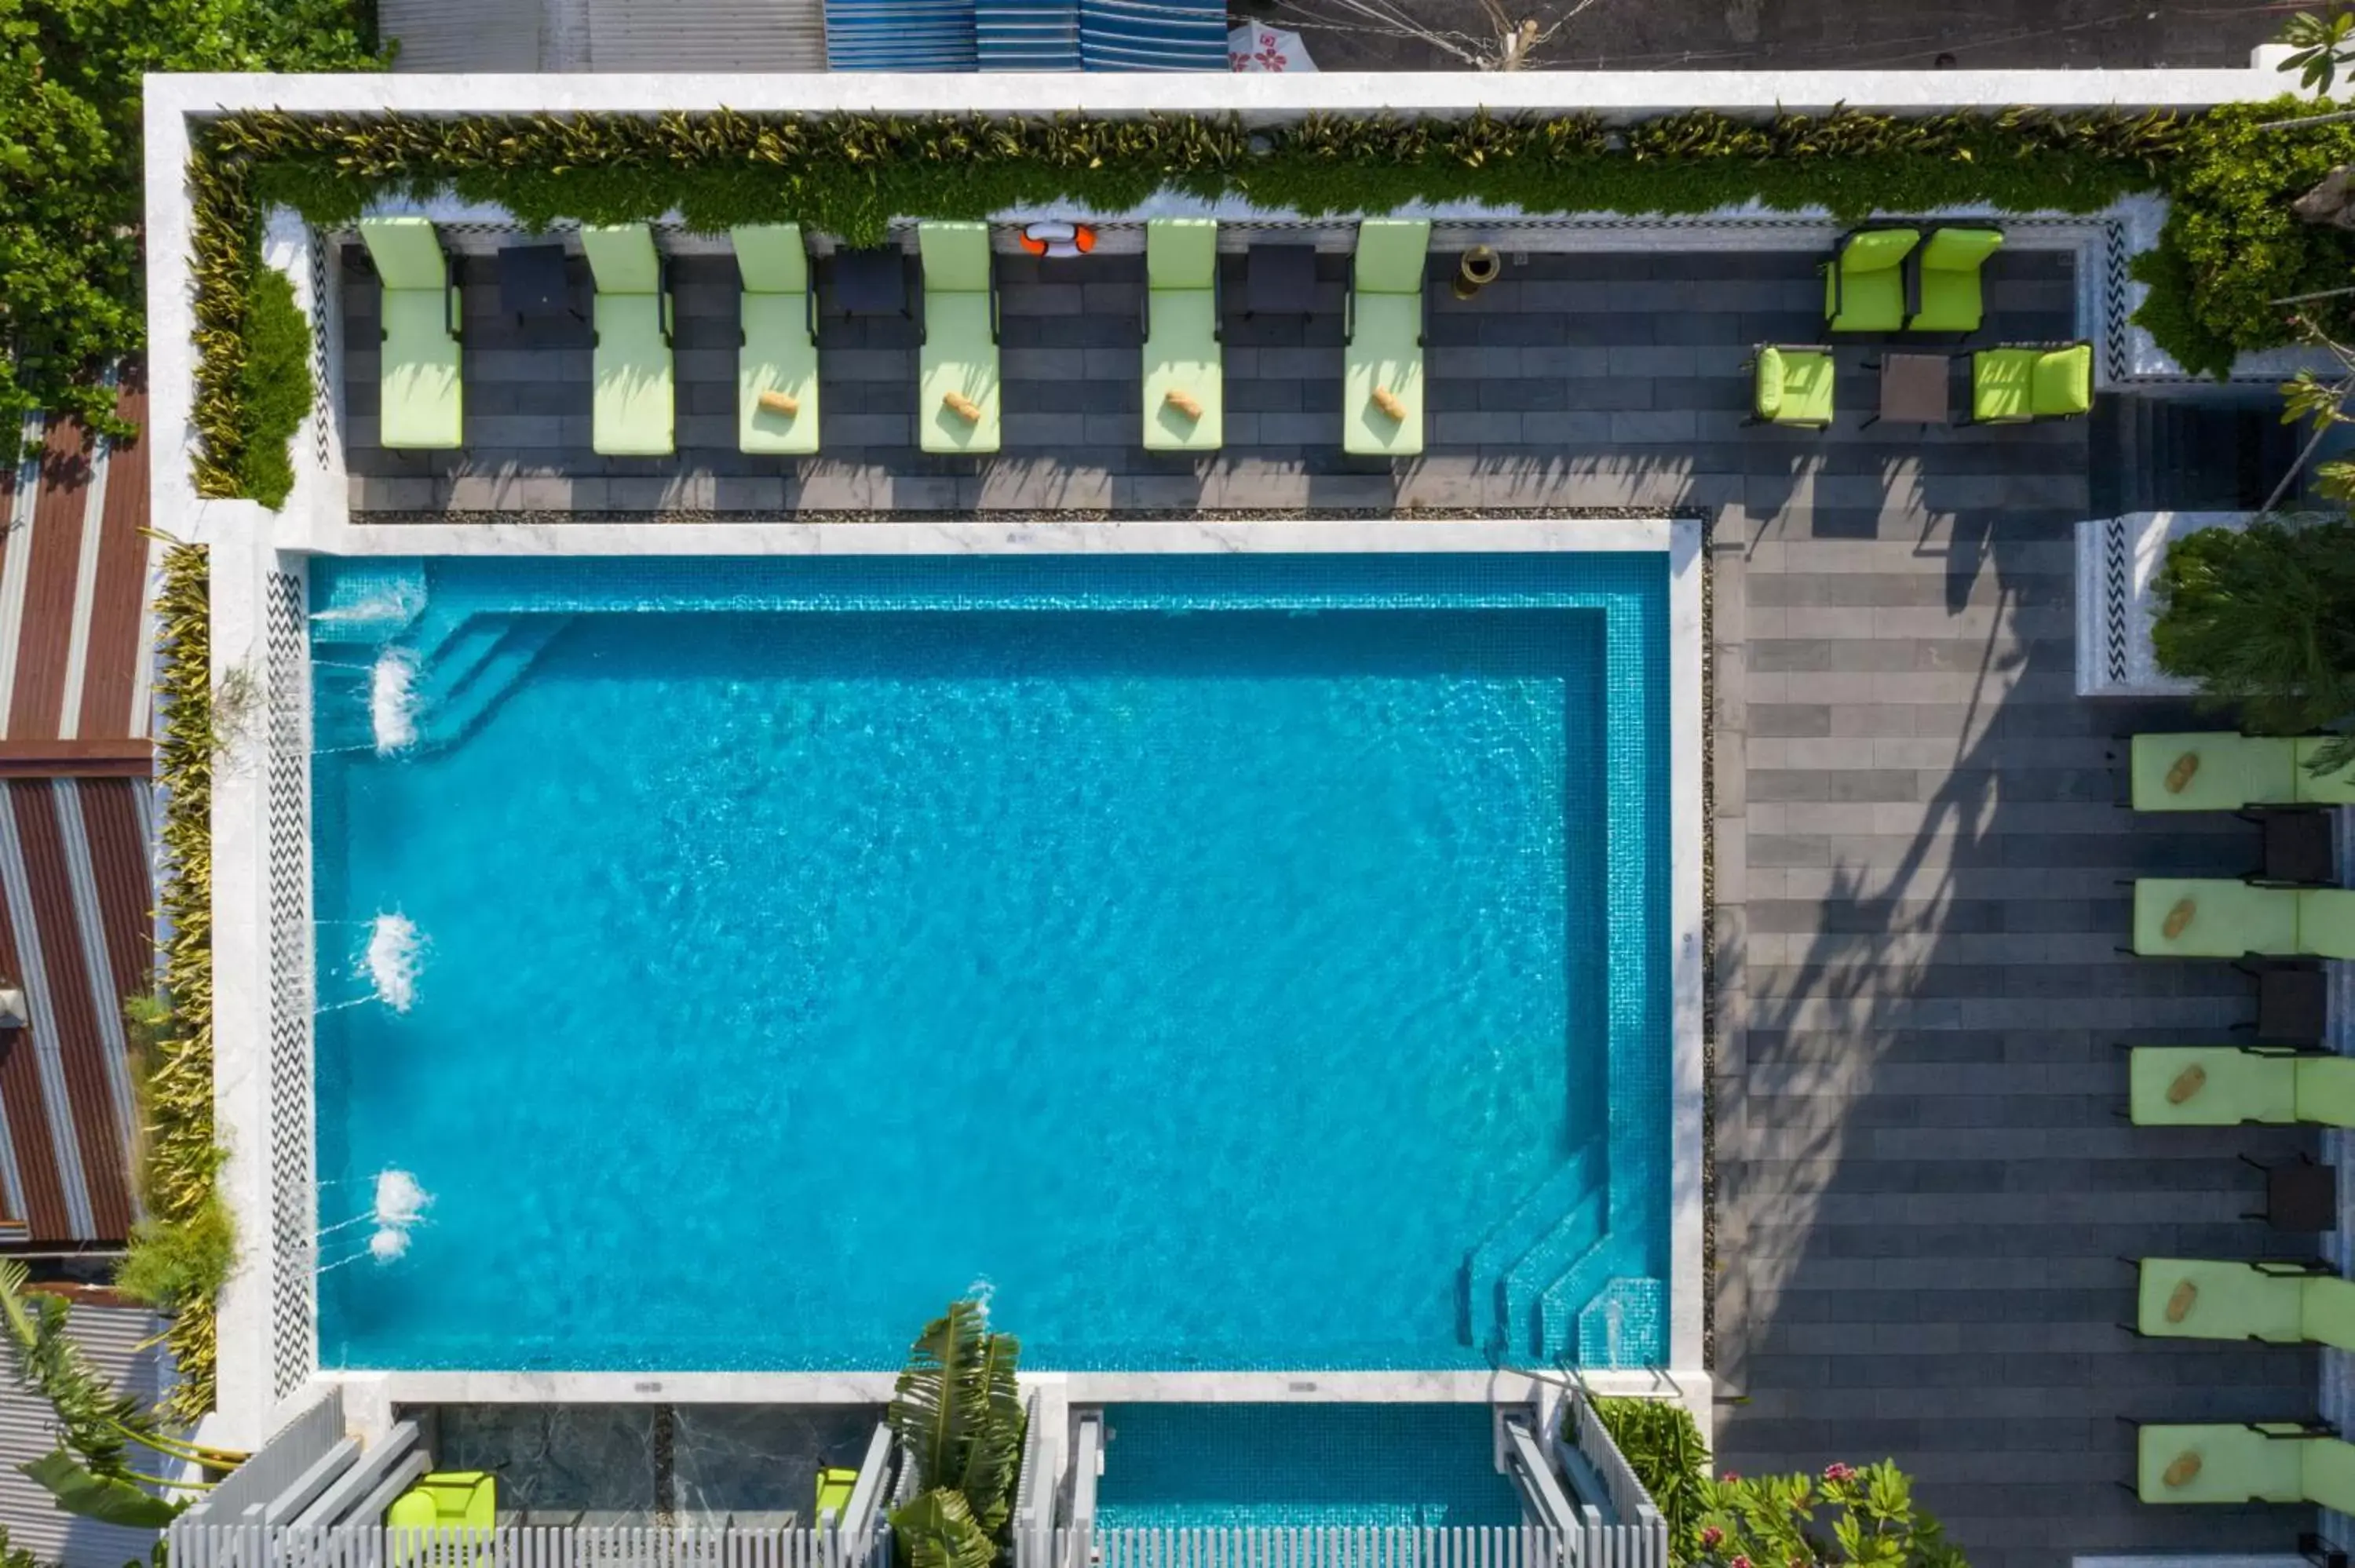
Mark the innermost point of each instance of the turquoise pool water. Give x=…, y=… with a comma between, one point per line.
x=1240, y=961
x=1192, y=1466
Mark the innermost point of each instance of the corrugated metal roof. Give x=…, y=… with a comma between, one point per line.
x=114, y=1337
x=605, y=35
x=463, y=34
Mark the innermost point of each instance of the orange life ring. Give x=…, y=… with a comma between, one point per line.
x=1056, y=238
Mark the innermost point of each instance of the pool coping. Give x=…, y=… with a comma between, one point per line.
x=268, y=1333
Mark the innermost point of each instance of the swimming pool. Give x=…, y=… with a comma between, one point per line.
x=1235, y=961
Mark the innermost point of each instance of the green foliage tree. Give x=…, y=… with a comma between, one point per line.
x=2264, y=618
x=1849, y=1515
x=71, y=196
x=275, y=386
x=2320, y=45
x=958, y=1413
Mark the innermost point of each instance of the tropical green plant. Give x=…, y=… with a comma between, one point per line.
x=1848, y=1515
x=175, y=1263
x=89, y=1472
x=274, y=388
x=2320, y=45
x=958, y=1415
x=179, y=1155
x=2264, y=618
x=849, y=175
x=15, y=1556
x=71, y=275
x=1662, y=1444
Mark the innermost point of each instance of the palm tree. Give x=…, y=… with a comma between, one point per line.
x=958, y=1413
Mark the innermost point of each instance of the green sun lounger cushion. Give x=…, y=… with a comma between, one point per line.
x=1794, y=386
x=420, y=400
x=1182, y=352
x=778, y=350
x=1949, y=272
x=447, y=1499
x=2216, y=918
x=2010, y=385
x=634, y=411
x=1864, y=285
x=2210, y=1085
x=2197, y=1298
x=2220, y=771
x=1381, y=374
x=957, y=371
x=2272, y=1461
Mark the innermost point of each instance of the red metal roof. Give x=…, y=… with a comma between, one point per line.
x=77, y=892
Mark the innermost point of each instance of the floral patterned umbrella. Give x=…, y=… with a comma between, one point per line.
x=1255, y=47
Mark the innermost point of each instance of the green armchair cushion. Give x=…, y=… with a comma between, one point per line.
x=2062, y=385
x=447, y=1499
x=1864, y=285
x=1949, y=268
x=1794, y=386
x=2000, y=379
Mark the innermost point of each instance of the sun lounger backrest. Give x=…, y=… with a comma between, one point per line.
x=2329, y=1472
x=770, y=259
x=1390, y=252
x=955, y=256
x=1181, y=252
x=406, y=253
x=623, y=257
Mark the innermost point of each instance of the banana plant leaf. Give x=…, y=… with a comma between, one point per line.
x=937, y=1531
x=942, y=1395
x=993, y=1456
x=101, y=1497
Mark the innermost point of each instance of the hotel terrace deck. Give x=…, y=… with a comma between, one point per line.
x=1925, y=1182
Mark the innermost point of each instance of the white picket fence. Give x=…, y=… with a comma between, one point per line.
x=355, y=1546
x=1316, y=1547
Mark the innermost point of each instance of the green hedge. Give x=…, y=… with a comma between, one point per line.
x=850, y=175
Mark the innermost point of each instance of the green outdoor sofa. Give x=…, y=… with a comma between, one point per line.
x=1864, y=285
x=957, y=387
x=2220, y=771
x=1947, y=277
x=1381, y=375
x=1185, y=366
x=776, y=359
x=1792, y=385
x=2261, y=1461
x=2278, y=1301
x=2020, y=382
x=2224, y=1085
x=2214, y=918
x=634, y=412
x=421, y=395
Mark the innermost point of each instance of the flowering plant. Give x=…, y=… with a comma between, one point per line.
x=1848, y=1515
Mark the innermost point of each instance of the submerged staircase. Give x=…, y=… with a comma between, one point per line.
x=1501, y=1277
x=463, y=679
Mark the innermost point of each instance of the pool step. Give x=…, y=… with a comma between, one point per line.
x=1521, y=1294
x=455, y=708
x=1480, y=1284
x=371, y=605
x=1558, y=1308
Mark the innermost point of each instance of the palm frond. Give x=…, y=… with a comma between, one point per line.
x=994, y=1457
x=93, y=1421
x=938, y=1531
x=941, y=1393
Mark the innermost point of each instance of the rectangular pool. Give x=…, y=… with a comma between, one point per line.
x=1238, y=962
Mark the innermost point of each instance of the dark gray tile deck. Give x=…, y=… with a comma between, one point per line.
x=1924, y=1183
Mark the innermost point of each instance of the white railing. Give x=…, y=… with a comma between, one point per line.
x=350, y=1546
x=1034, y=1496
x=1640, y=1538
x=1317, y=1547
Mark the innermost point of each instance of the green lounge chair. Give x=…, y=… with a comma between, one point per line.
x=422, y=397
x=1184, y=368
x=635, y=411
x=835, y=1485
x=1382, y=374
x=776, y=359
x=957, y=393
x=1793, y=386
x=2223, y=772
x=447, y=1499
x=2177, y=916
x=2262, y=1461
x=1947, y=278
x=2016, y=384
x=2280, y=1302
x=1864, y=285
x=2222, y=1085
